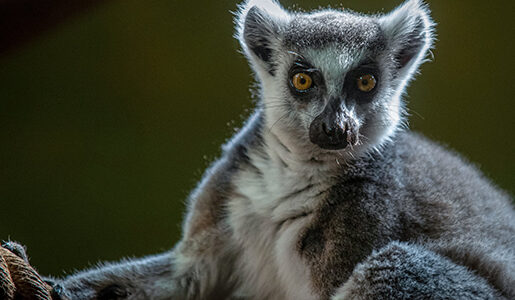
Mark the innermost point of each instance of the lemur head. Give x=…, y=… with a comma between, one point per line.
x=332, y=80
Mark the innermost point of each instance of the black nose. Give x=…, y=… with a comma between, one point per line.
x=329, y=132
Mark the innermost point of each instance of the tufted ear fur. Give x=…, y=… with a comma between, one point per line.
x=258, y=25
x=409, y=30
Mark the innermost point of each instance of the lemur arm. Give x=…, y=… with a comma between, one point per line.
x=146, y=278
x=153, y=277
x=199, y=266
x=171, y=275
x=187, y=272
x=406, y=271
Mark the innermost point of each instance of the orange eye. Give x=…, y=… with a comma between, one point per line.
x=302, y=81
x=366, y=83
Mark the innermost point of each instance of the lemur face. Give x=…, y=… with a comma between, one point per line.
x=338, y=78
x=333, y=79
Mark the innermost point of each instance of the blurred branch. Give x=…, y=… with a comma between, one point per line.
x=24, y=20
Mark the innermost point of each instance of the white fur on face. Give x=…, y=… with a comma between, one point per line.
x=290, y=119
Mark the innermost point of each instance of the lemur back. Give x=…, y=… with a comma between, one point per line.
x=325, y=193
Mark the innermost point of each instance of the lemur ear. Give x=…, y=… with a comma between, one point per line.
x=258, y=25
x=409, y=30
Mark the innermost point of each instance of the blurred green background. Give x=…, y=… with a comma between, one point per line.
x=108, y=120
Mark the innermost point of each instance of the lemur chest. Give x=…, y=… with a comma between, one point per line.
x=273, y=204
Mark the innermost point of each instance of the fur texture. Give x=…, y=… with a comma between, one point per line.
x=324, y=194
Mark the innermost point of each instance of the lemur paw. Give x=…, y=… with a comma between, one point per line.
x=78, y=291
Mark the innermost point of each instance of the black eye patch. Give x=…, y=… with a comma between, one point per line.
x=355, y=79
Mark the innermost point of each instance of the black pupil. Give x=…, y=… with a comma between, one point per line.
x=302, y=80
x=364, y=82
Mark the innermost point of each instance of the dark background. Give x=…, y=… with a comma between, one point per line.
x=109, y=116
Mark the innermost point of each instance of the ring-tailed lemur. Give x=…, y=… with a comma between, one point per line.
x=324, y=194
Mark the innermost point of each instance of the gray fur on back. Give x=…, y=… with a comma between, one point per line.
x=417, y=192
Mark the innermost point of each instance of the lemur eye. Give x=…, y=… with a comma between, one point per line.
x=366, y=83
x=301, y=81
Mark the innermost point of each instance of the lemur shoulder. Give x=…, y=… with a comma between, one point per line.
x=324, y=193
